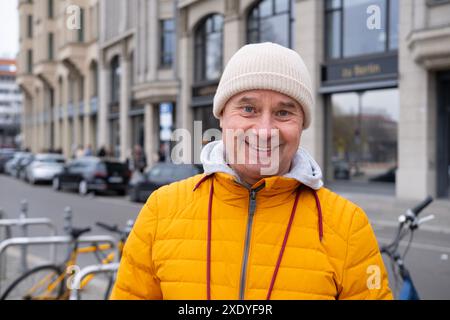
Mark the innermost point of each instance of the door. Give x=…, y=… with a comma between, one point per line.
x=443, y=136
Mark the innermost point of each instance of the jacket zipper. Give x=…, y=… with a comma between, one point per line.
x=251, y=213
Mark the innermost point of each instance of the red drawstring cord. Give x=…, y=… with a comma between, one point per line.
x=283, y=247
x=208, y=248
x=319, y=211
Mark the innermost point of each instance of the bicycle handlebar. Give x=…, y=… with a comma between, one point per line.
x=107, y=227
x=417, y=209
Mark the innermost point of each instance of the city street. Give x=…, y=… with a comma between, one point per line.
x=427, y=259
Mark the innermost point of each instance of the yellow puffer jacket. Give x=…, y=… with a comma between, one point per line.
x=329, y=251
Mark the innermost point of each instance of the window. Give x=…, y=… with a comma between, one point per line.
x=271, y=20
x=30, y=26
x=393, y=24
x=30, y=61
x=167, y=42
x=347, y=30
x=115, y=80
x=94, y=79
x=50, y=46
x=50, y=9
x=81, y=30
x=209, y=49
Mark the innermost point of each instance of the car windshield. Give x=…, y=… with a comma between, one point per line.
x=50, y=159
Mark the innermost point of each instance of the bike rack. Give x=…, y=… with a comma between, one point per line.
x=27, y=241
x=94, y=269
x=24, y=222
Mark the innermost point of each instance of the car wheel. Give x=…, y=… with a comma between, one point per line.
x=56, y=184
x=83, y=188
x=31, y=180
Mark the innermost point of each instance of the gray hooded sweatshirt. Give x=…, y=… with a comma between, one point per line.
x=303, y=169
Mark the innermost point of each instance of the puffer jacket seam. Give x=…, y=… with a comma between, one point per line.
x=156, y=216
x=140, y=266
x=156, y=213
x=344, y=266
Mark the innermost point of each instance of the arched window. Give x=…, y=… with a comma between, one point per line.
x=209, y=49
x=94, y=79
x=271, y=20
x=115, y=80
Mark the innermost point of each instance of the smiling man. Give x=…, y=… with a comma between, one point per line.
x=258, y=224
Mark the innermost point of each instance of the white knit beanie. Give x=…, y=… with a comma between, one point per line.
x=266, y=66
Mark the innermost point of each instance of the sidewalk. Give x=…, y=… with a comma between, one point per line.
x=383, y=208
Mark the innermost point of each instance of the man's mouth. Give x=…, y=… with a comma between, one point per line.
x=260, y=148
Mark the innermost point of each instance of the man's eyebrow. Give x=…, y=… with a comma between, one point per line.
x=287, y=104
x=247, y=99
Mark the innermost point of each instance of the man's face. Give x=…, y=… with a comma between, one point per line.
x=261, y=132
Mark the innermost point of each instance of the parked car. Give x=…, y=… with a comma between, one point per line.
x=12, y=166
x=341, y=170
x=6, y=154
x=22, y=165
x=142, y=185
x=44, y=167
x=388, y=176
x=92, y=174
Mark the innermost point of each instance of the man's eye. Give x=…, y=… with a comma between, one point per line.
x=249, y=109
x=283, y=113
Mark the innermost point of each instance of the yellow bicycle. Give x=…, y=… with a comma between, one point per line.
x=49, y=282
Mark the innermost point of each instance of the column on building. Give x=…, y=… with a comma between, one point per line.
x=56, y=116
x=309, y=16
x=87, y=108
x=151, y=133
x=103, y=99
x=26, y=120
x=233, y=31
x=77, y=126
x=66, y=144
x=185, y=65
x=416, y=126
x=124, y=106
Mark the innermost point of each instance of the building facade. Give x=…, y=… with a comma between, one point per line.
x=57, y=70
x=380, y=73
x=10, y=104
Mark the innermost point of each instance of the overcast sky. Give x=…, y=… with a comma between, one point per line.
x=9, y=28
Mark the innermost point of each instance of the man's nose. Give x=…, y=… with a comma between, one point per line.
x=266, y=128
x=265, y=124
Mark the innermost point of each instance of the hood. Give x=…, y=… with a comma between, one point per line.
x=304, y=168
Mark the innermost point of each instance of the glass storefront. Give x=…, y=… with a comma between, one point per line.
x=363, y=129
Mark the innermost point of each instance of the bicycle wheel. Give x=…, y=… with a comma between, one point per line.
x=40, y=283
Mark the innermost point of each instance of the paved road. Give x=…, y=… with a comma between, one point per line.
x=427, y=259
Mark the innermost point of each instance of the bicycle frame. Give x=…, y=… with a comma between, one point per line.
x=71, y=261
x=408, y=224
